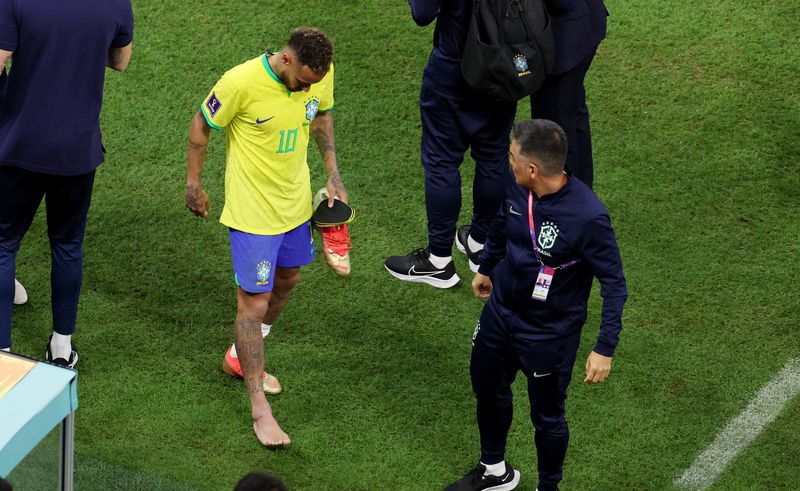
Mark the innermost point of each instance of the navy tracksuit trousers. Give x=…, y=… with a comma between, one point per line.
x=452, y=124
x=67, y=199
x=500, y=349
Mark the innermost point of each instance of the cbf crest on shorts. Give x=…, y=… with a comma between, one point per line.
x=262, y=273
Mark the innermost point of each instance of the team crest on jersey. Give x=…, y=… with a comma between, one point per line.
x=548, y=235
x=312, y=107
x=521, y=64
x=213, y=104
x=262, y=273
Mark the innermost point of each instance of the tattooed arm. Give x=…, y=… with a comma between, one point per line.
x=322, y=128
x=196, y=199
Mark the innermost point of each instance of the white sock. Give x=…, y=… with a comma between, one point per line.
x=473, y=244
x=498, y=469
x=61, y=346
x=264, y=332
x=439, y=262
x=7, y=350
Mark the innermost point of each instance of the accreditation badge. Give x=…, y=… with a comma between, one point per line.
x=543, y=282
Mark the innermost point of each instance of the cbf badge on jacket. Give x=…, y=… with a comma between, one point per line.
x=543, y=282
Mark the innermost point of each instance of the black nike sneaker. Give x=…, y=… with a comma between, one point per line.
x=417, y=268
x=462, y=243
x=62, y=362
x=475, y=480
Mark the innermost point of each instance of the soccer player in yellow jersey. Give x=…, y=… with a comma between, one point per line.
x=268, y=106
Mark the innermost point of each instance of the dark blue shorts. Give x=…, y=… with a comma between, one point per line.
x=255, y=257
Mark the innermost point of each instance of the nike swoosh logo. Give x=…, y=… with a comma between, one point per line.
x=262, y=121
x=413, y=272
x=540, y=375
x=511, y=210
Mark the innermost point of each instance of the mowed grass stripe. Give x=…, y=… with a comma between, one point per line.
x=743, y=429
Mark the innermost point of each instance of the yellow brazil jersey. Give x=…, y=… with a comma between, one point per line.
x=267, y=181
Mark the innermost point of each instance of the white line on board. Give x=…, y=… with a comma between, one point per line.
x=744, y=428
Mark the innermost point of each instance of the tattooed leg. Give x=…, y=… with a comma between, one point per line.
x=250, y=347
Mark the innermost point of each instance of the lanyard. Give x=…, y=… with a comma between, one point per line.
x=532, y=226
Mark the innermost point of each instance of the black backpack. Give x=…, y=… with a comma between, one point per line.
x=509, y=48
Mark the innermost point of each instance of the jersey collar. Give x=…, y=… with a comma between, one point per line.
x=268, y=68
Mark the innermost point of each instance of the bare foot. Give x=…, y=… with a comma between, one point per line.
x=269, y=433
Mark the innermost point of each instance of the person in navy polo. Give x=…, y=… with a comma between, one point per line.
x=454, y=119
x=552, y=236
x=50, y=143
x=578, y=28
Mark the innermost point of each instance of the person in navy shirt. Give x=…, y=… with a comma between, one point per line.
x=578, y=28
x=454, y=119
x=50, y=143
x=551, y=237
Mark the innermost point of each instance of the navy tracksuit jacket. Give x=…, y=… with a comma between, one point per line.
x=583, y=232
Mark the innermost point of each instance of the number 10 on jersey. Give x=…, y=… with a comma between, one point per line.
x=288, y=141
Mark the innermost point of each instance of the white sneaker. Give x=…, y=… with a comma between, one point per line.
x=20, y=295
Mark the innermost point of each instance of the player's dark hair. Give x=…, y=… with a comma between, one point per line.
x=312, y=48
x=543, y=141
x=260, y=481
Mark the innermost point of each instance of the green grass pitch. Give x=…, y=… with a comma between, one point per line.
x=696, y=121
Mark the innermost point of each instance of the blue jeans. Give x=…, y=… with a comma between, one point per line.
x=67, y=199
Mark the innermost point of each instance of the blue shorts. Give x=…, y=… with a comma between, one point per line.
x=255, y=257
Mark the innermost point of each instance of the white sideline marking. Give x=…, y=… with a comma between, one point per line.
x=743, y=429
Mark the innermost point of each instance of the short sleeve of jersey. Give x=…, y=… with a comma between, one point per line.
x=124, y=34
x=222, y=104
x=326, y=102
x=9, y=27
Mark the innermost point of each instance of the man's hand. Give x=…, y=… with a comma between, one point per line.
x=335, y=188
x=197, y=200
x=597, y=368
x=481, y=286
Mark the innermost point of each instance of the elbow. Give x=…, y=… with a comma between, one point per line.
x=119, y=66
x=422, y=16
x=119, y=58
x=421, y=20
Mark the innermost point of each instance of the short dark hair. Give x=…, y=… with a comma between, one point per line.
x=543, y=141
x=312, y=48
x=260, y=481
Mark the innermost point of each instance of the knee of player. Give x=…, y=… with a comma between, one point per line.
x=493, y=397
x=287, y=278
x=550, y=423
